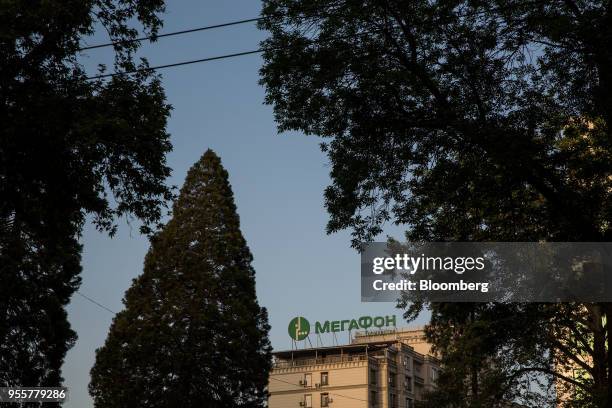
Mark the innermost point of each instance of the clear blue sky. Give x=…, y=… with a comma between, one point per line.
x=278, y=181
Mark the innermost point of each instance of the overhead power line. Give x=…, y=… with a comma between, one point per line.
x=225, y=56
x=151, y=37
x=94, y=302
x=220, y=57
x=176, y=64
x=232, y=23
x=238, y=22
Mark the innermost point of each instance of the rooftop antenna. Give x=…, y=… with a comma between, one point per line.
x=319, y=340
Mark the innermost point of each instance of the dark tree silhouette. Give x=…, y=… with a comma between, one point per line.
x=69, y=148
x=192, y=333
x=467, y=121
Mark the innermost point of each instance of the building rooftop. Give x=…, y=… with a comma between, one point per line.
x=364, y=343
x=349, y=348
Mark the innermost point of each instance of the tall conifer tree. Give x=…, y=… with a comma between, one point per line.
x=192, y=333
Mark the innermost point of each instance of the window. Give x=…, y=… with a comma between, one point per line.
x=434, y=374
x=373, y=377
x=392, y=401
x=373, y=401
x=308, y=401
x=307, y=382
x=325, y=399
x=324, y=378
x=392, y=380
x=408, y=384
x=409, y=403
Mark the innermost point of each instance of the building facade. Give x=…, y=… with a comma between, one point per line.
x=386, y=369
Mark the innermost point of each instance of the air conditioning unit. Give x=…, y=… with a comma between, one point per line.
x=317, y=385
x=302, y=382
x=302, y=403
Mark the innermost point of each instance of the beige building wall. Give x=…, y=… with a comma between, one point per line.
x=347, y=384
x=377, y=370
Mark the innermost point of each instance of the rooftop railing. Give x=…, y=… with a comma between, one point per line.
x=300, y=362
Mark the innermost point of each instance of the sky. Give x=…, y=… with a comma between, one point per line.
x=277, y=179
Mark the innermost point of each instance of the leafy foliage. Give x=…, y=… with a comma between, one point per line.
x=69, y=148
x=467, y=121
x=192, y=332
x=449, y=116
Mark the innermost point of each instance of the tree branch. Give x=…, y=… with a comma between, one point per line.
x=572, y=356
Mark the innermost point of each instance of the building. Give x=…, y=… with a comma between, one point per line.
x=384, y=369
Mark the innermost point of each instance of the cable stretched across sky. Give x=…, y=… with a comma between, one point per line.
x=95, y=302
x=177, y=64
x=204, y=28
x=209, y=59
x=220, y=57
x=152, y=37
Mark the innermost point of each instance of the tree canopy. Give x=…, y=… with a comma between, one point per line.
x=192, y=332
x=464, y=121
x=70, y=148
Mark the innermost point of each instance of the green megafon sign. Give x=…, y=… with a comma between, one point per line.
x=299, y=327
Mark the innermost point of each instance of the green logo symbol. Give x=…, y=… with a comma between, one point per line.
x=299, y=328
